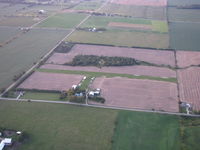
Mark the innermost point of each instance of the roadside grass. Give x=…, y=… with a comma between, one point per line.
x=146, y=131
x=109, y=75
x=63, y=20
x=41, y=96
x=122, y=38
x=58, y=126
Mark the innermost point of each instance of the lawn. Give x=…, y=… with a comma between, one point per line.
x=142, y=131
x=21, y=53
x=109, y=75
x=41, y=95
x=58, y=126
x=63, y=20
x=184, y=36
x=122, y=38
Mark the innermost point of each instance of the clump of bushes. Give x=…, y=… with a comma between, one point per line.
x=93, y=60
x=64, y=47
x=97, y=99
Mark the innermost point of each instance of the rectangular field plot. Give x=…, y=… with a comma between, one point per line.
x=50, y=81
x=182, y=2
x=147, y=12
x=21, y=53
x=141, y=2
x=63, y=20
x=187, y=58
x=191, y=15
x=21, y=21
x=131, y=70
x=185, y=36
x=122, y=38
x=160, y=57
x=139, y=94
x=88, y=5
x=122, y=23
x=189, y=86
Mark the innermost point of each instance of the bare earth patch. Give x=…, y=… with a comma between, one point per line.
x=132, y=70
x=187, y=58
x=129, y=25
x=189, y=86
x=50, y=81
x=141, y=2
x=153, y=56
x=140, y=94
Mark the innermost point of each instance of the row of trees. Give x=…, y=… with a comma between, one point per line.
x=93, y=60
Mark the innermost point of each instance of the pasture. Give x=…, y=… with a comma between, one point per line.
x=21, y=53
x=182, y=2
x=88, y=5
x=129, y=93
x=148, y=12
x=122, y=38
x=7, y=33
x=184, y=36
x=62, y=20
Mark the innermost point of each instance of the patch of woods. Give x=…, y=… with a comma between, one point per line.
x=64, y=47
x=17, y=137
x=100, y=61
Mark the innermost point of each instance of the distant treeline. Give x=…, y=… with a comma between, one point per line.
x=194, y=6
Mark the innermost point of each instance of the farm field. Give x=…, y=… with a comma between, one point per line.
x=182, y=2
x=21, y=21
x=189, y=86
x=132, y=70
x=187, y=58
x=59, y=127
x=184, y=36
x=159, y=3
x=188, y=15
x=119, y=38
x=94, y=129
x=88, y=5
x=149, y=55
x=21, y=53
x=119, y=92
x=63, y=20
x=107, y=22
x=50, y=81
x=147, y=12
x=7, y=33
x=141, y=131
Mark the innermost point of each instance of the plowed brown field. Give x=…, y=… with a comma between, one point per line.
x=153, y=56
x=140, y=94
x=187, y=58
x=50, y=81
x=189, y=86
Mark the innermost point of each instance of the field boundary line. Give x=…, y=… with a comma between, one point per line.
x=100, y=106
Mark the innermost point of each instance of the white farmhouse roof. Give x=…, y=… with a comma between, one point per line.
x=6, y=141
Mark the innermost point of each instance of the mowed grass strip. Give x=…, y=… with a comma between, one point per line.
x=109, y=75
x=146, y=131
x=63, y=20
x=59, y=127
x=122, y=38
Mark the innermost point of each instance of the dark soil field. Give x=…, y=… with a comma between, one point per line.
x=132, y=70
x=139, y=94
x=189, y=86
x=50, y=81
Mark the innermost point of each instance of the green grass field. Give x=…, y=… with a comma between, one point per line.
x=109, y=75
x=63, y=20
x=88, y=5
x=41, y=96
x=118, y=38
x=142, y=131
x=59, y=126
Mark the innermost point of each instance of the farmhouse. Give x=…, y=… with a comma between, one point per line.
x=5, y=142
